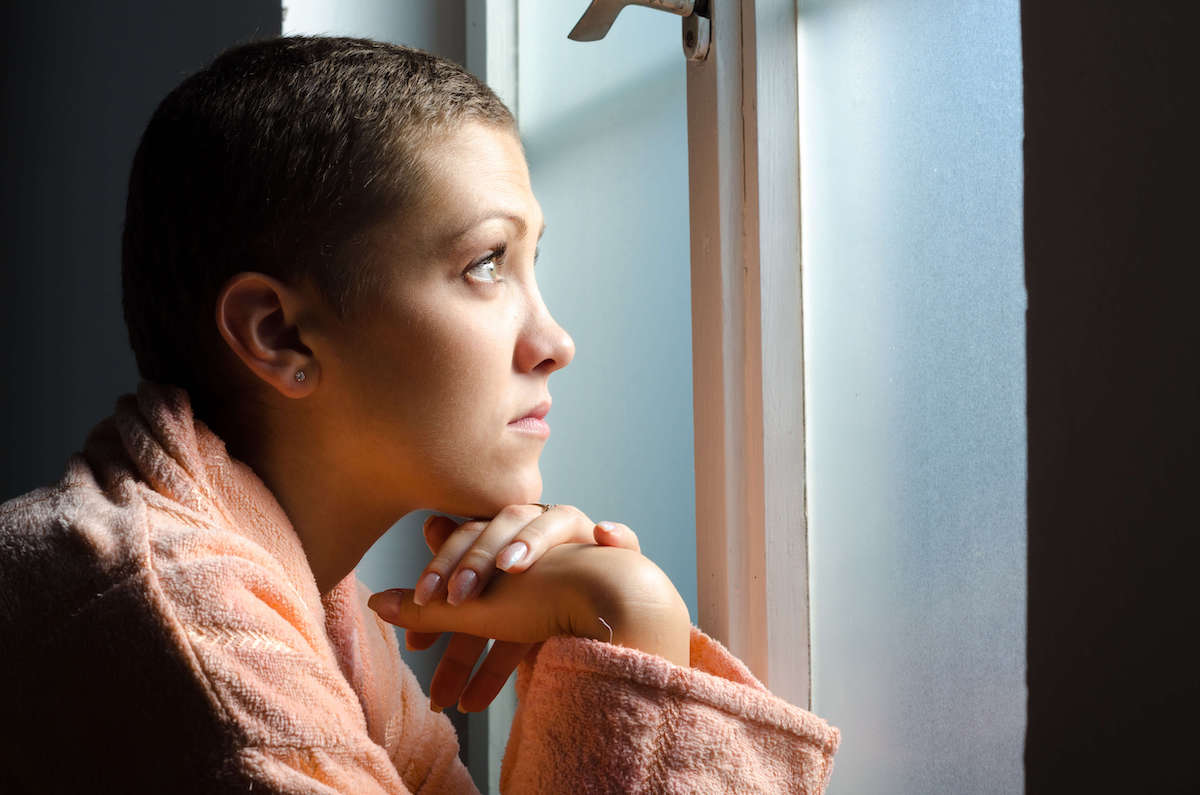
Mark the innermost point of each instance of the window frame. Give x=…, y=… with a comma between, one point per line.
x=747, y=342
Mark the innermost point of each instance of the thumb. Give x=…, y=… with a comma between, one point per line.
x=615, y=534
x=501, y=619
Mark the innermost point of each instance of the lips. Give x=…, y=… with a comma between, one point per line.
x=532, y=423
x=538, y=412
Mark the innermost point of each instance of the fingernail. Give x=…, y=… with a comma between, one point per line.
x=511, y=555
x=387, y=599
x=609, y=526
x=461, y=586
x=434, y=707
x=426, y=587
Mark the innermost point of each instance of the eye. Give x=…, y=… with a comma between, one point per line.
x=485, y=270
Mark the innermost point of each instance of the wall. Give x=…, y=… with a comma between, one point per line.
x=437, y=26
x=81, y=80
x=1114, y=386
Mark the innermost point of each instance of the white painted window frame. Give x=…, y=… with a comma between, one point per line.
x=492, y=50
x=747, y=343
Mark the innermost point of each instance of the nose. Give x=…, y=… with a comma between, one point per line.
x=544, y=346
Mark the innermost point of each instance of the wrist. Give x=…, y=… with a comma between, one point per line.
x=666, y=635
x=641, y=609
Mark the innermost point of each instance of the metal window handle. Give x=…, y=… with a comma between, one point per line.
x=601, y=14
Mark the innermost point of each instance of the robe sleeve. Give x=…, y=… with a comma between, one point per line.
x=597, y=717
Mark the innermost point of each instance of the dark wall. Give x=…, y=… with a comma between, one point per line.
x=1114, y=396
x=80, y=80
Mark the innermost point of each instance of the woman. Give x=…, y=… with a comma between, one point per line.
x=329, y=287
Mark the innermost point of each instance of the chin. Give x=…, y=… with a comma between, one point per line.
x=484, y=503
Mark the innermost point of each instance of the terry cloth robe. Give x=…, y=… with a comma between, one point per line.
x=161, y=631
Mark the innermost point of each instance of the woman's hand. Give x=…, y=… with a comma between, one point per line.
x=465, y=558
x=604, y=593
x=469, y=554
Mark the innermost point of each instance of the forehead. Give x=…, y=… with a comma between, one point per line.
x=476, y=172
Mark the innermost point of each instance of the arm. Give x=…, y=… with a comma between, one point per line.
x=637, y=723
x=632, y=718
x=644, y=716
x=512, y=541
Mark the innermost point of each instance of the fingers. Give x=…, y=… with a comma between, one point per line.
x=615, y=534
x=468, y=555
x=466, y=561
x=495, y=670
x=478, y=564
x=436, y=530
x=462, y=652
x=450, y=685
x=432, y=583
x=562, y=524
x=509, y=611
x=419, y=641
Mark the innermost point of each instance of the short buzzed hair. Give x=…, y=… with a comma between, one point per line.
x=276, y=158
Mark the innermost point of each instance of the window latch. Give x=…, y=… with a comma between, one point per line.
x=697, y=26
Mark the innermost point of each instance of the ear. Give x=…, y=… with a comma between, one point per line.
x=257, y=316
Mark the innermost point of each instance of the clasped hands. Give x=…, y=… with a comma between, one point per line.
x=590, y=580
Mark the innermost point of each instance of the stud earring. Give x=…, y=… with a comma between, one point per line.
x=299, y=376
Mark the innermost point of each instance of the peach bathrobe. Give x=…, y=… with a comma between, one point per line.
x=161, y=631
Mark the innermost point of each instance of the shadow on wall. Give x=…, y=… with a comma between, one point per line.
x=1114, y=442
x=81, y=81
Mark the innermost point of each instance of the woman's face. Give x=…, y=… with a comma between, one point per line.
x=430, y=387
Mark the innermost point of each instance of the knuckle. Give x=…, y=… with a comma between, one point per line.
x=478, y=560
x=471, y=529
x=453, y=551
x=532, y=533
x=445, y=561
x=517, y=511
x=569, y=510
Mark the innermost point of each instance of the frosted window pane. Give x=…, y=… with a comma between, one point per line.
x=914, y=302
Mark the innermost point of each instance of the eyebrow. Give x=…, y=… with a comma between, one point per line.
x=517, y=220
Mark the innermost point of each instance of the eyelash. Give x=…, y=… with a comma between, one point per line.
x=496, y=257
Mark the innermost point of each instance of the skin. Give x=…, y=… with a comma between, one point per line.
x=410, y=404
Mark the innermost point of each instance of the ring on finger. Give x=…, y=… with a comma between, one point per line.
x=545, y=507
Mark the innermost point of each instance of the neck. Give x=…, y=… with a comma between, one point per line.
x=323, y=498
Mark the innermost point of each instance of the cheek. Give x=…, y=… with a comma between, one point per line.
x=436, y=392
x=452, y=379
